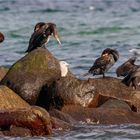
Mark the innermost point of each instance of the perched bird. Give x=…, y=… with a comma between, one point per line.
x=64, y=68
x=104, y=63
x=1, y=37
x=41, y=35
x=130, y=72
x=126, y=67
x=133, y=78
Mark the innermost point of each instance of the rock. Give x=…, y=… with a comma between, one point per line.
x=34, y=118
x=60, y=124
x=80, y=114
x=3, y=72
x=116, y=104
x=71, y=90
x=110, y=87
x=10, y=100
x=16, y=131
x=28, y=75
x=93, y=92
x=102, y=115
x=62, y=116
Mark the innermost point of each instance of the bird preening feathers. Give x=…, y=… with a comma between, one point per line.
x=126, y=67
x=41, y=35
x=104, y=62
x=131, y=73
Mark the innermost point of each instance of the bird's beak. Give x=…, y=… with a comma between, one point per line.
x=56, y=36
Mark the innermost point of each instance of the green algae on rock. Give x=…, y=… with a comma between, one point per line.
x=29, y=74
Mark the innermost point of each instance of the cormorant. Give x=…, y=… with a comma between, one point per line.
x=41, y=35
x=104, y=63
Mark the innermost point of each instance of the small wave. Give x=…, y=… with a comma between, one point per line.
x=47, y=11
x=3, y=9
x=104, y=30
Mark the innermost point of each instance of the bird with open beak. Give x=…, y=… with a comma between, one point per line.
x=41, y=35
x=104, y=63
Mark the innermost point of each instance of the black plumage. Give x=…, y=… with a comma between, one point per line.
x=105, y=62
x=41, y=35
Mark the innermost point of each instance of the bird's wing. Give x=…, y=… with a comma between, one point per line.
x=37, y=39
x=135, y=72
x=102, y=61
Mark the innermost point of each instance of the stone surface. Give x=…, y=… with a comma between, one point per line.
x=34, y=118
x=103, y=115
x=3, y=72
x=94, y=92
x=10, y=100
x=62, y=116
x=28, y=75
x=74, y=91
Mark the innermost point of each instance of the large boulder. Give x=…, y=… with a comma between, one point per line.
x=28, y=75
x=94, y=92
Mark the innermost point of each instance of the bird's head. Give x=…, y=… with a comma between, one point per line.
x=109, y=51
x=52, y=30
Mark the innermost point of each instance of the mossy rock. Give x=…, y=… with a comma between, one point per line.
x=28, y=75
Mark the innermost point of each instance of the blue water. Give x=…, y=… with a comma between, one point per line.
x=86, y=28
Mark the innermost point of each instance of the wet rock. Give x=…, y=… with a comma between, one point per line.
x=71, y=90
x=34, y=118
x=110, y=87
x=10, y=100
x=116, y=104
x=93, y=92
x=103, y=115
x=62, y=116
x=80, y=114
x=60, y=124
x=16, y=131
x=28, y=75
